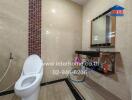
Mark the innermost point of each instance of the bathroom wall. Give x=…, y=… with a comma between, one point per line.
x=92, y=9
x=61, y=34
x=129, y=44
x=13, y=38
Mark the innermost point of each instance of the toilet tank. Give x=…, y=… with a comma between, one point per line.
x=33, y=65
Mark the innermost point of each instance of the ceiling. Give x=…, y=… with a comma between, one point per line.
x=81, y=2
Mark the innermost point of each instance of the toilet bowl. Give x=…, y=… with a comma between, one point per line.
x=28, y=85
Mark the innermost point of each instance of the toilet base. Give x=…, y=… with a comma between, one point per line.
x=34, y=96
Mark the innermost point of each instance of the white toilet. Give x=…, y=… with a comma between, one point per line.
x=28, y=85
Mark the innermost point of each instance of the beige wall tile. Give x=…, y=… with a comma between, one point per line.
x=61, y=33
x=92, y=9
x=13, y=38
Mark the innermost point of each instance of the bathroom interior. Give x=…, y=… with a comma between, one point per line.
x=37, y=34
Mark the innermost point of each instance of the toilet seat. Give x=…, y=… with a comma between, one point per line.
x=32, y=79
x=32, y=65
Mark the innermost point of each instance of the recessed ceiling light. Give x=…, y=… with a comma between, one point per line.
x=47, y=32
x=53, y=11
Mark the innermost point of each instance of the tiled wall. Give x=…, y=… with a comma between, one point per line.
x=123, y=45
x=20, y=33
x=61, y=34
x=34, y=36
x=13, y=38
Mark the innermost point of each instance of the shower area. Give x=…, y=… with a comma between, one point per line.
x=6, y=68
x=50, y=28
x=13, y=41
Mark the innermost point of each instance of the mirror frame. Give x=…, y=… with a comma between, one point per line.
x=105, y=45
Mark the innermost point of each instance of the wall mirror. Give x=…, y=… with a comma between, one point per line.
x=103, y=30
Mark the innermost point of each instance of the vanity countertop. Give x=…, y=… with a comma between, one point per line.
x=94, y=53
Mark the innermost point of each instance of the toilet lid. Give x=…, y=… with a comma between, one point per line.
x=32, y=65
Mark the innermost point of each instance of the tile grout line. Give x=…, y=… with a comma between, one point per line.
x=72, y=88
